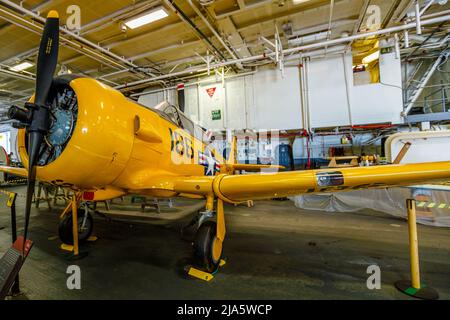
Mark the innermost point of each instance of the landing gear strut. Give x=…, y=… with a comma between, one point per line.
x=85, y=226
x=76, y=224
x=209, y=239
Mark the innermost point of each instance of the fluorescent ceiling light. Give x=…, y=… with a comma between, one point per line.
x=21, y=66
x=147, y=18
x=371, y=57
x=299, y=1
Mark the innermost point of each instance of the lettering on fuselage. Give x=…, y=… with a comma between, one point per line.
x=181, y=145
x=183, y=150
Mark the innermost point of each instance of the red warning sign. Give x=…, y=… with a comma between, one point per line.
x=211, y=91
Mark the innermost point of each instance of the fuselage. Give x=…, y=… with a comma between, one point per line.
x=119, y=146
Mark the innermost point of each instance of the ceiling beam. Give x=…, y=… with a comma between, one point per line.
x=293, y=11
x=174, y=46
x=67, y=36
x=234, y=38
x=199, y=33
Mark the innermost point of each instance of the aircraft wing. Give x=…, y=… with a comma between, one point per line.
x=252, y=167
x=238, y=188
x=21, y=172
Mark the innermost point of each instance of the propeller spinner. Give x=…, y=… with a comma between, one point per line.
x=35, y=116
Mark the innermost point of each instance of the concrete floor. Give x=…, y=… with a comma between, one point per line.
x=273, y=251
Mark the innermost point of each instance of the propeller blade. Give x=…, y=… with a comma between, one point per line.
x=47, y=58
x=46, y=65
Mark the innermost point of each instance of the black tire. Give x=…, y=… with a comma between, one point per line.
x=65, y=227
x=203, y=247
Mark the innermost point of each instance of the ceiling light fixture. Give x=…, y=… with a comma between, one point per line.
x=149, y=17
x=21, y=66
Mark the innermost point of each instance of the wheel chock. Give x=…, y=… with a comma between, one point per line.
x=66, y=247
x=92, y=239
x=202, y=275
x=72, y=256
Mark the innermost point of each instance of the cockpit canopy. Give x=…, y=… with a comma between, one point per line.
x=175, y=115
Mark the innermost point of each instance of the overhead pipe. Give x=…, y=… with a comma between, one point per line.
x=91, y=26
x=185, y=18
x=73, y=35
x=16, y=75
x=98, y=24
x=190, y=84
x=427, y=6
x=292, y=50
x=406, y=38
x=213, y=31
x=74, y=46
x=417, y=12
x=430, y=15
x=24, y=22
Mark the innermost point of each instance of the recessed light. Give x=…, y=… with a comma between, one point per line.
x=21, y=66
x=149, y=17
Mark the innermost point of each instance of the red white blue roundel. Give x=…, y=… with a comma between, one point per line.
x=207, y=159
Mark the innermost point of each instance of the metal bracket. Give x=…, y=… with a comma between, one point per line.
x=277, y=48
x=208, y=59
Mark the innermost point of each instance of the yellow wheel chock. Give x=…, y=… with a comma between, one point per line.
x=202, y=275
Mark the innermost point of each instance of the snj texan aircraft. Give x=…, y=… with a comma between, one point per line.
x=81, y=134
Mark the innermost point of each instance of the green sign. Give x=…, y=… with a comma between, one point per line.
x=216, y=115
x=386, y=50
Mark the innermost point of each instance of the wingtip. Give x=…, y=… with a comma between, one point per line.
x=53, y=14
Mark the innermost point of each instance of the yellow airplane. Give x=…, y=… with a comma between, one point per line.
x=81, y=134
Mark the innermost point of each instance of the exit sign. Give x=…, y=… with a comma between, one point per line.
x=216, y=115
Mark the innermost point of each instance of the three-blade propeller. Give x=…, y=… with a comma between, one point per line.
x=35, y=117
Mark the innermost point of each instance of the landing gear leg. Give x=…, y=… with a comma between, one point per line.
x=208, y=241
x=189, y=231
x=75, y=227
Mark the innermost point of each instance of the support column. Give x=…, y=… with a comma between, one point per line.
x=414, y=287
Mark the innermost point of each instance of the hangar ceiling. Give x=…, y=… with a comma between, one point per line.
x=193, y=32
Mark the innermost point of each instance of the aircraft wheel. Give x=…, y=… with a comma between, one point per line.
x=84, y=232
x=207, y=248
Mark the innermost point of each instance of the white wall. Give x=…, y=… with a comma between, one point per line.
x=209, y=102
x=333, y=103
x=151, y=100
x=11, y=145
x=328, y=102
x=276, y=100
x=380, y=102
x=266, y=100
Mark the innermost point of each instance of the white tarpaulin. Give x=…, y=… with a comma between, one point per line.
x=432, y=206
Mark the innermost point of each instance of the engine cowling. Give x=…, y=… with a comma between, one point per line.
x=91, y=134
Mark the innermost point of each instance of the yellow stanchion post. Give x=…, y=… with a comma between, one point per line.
x=413, y=244
x=75, y=225
x=414, y=287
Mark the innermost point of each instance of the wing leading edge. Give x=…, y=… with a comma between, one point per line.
x=238, y=188
x=21, y=172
